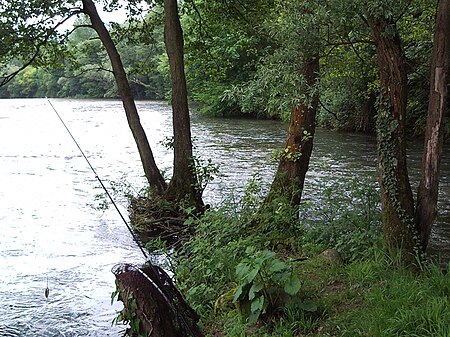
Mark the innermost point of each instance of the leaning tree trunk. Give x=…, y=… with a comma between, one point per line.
x=427, y=195
x=294, y=162
x=153, y=175
x=184, y=183
x=396, y=195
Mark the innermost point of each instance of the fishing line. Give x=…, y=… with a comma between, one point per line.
x=159, y=288
x=101, y=183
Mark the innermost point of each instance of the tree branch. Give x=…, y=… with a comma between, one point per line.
x=9, y=77
x=329, y=111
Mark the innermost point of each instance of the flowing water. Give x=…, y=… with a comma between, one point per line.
x=51, y=234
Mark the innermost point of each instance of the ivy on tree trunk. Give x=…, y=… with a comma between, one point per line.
x=396, y=195
x=294, y=162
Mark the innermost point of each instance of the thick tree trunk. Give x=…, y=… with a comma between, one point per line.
x=184, y=183
x=294, y=162
x=153, y=306
x=396, y=195
x=152, y=173
x=427, y=195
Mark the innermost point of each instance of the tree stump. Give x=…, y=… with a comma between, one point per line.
x=152, y=304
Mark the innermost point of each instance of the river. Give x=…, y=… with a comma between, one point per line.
x=51, y=234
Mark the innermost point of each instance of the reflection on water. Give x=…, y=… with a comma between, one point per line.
x=51, y=234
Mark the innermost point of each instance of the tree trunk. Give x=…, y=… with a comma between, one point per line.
x=153, y=306
x=153, y=175
x=184, y=183
x=427, y=195
x=294, y=162
x=396, y=195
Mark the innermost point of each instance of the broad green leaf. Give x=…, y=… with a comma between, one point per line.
x=256, y=287
x=257, y=304
x=238, y=294
x=242, y=270
x=292, y=286
x=276, y=266
x=253, y=317
x=252, y=274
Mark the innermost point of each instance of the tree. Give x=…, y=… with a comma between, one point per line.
x=299, y=20
x=184, y=184
x=427, y=194
x=396, y=195
x=407, y=230
x=223, y=43
x=294, y=162
x=35, y=35
x=154, y=177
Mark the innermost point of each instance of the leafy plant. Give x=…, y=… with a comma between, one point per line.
x=127, y=315
x=264, y=282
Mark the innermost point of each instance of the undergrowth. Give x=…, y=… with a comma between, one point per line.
x=252, y=271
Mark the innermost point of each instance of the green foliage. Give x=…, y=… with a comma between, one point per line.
x=263, y=280
x=206, y=264
x=241, y=58
x=121, y=191
x=223, y=46
x=128, y=315
x=76, y=65
x=216, y=266
x=294, y=37
x=345, y=216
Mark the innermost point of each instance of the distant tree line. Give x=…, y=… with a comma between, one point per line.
x=83, y=70
x=241, y=59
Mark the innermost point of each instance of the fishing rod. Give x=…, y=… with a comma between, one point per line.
x=159, y=287
x=101, y=183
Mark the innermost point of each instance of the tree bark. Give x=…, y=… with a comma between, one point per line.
x=294, y=162
x=184, y=183
x=396, y=195
x=153, y=306
x=427, y=195
x=152, y=173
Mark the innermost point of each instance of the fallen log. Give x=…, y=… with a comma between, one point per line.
x=153, y=306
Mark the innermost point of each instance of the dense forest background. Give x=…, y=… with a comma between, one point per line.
x=240, y=59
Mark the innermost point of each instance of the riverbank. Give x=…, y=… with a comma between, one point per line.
x=364, y=298
x=253, y=273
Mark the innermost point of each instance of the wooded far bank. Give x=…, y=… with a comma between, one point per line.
x=240, y=59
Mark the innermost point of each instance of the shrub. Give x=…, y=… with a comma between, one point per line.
x=263, y=283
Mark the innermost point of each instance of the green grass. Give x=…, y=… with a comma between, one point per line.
x=399, y=303
x=366, y=298
x=370, y=294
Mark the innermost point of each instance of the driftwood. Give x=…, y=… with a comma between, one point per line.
x=159, y=309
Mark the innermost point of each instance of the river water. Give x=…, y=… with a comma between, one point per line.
x=51, y=234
